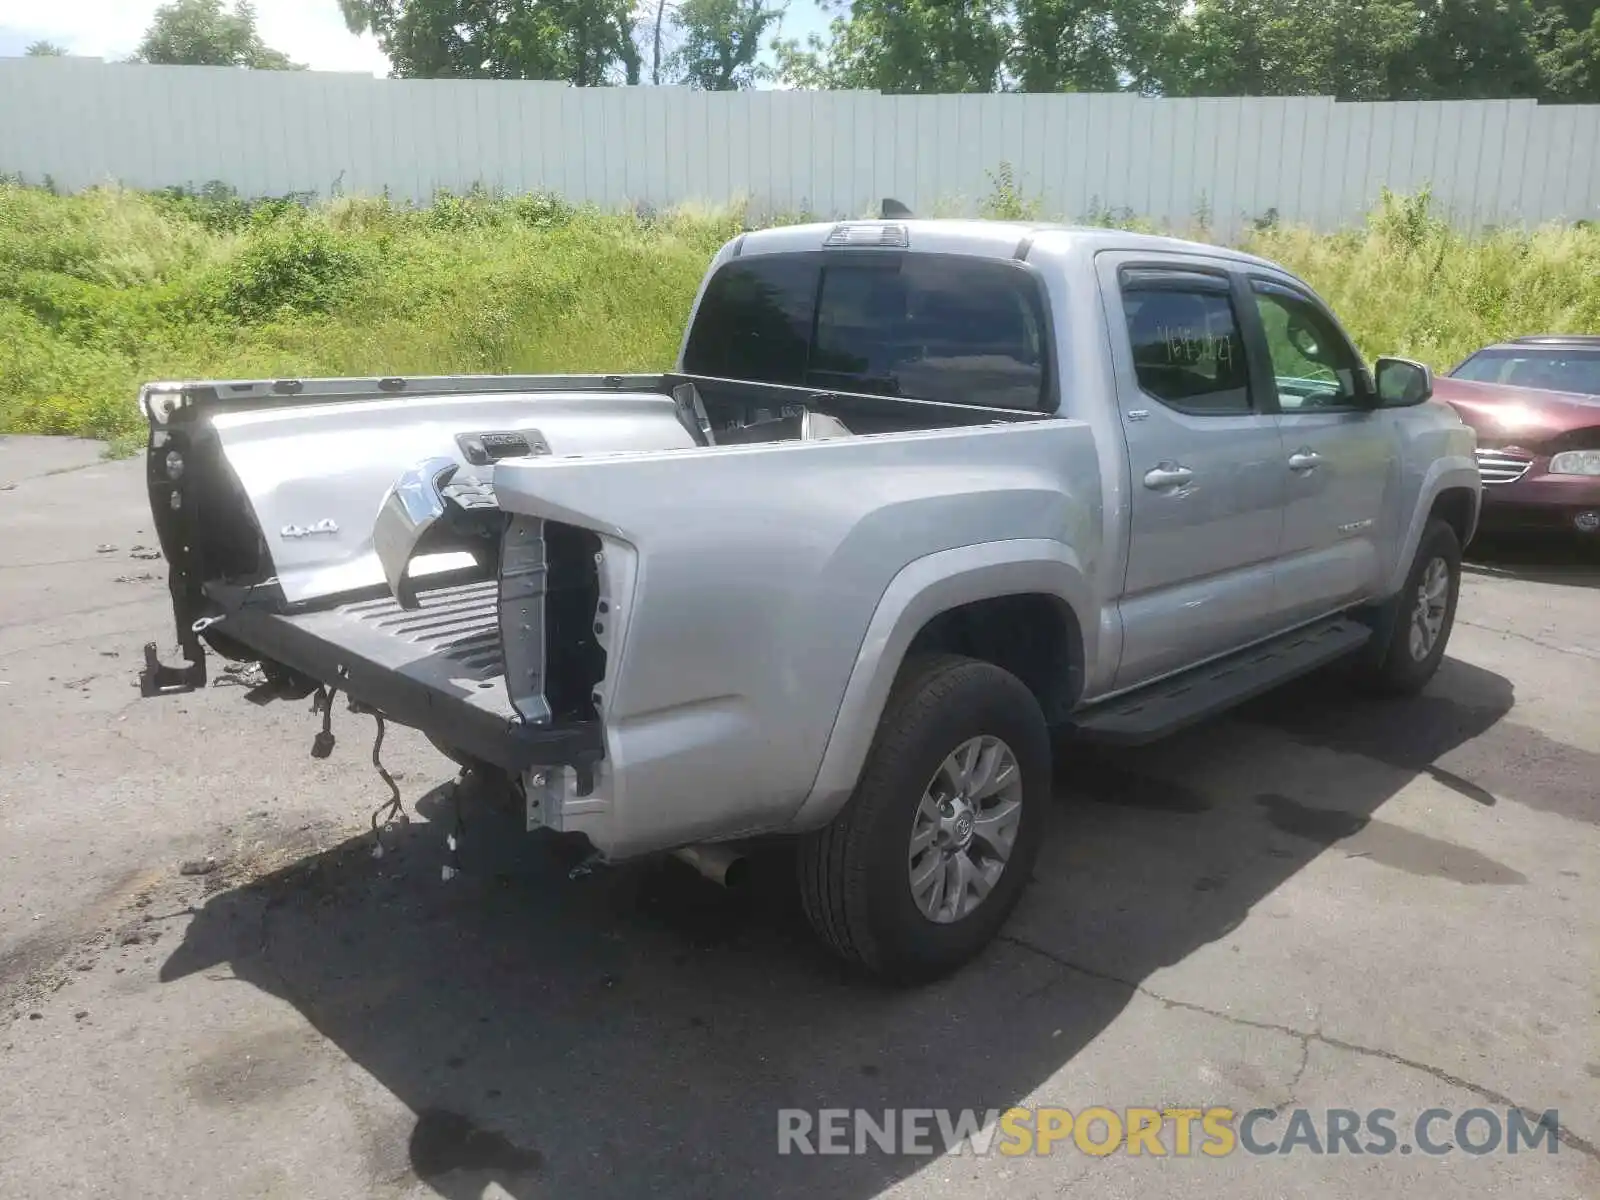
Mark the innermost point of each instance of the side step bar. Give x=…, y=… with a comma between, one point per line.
x=1168, y=705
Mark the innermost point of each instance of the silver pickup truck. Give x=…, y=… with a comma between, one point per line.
x=919, y=496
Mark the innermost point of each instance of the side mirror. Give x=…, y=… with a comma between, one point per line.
x=1402, y=382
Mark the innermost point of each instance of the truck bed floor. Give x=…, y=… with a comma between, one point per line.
x=438, y=667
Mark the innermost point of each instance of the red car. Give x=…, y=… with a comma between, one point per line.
x=1535, y=404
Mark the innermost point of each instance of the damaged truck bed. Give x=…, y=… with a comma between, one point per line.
x=273, y=500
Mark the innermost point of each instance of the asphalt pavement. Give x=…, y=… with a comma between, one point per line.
x=211, y=987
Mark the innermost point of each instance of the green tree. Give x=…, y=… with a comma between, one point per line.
x=202, y=33
x=903, y=46
x=720, y=40
x=45, y=50
x=1569, y=57
x=1090, y=45
x=1385, y=49
x=1476, y=50
x=1352, y=49
x=586, y=42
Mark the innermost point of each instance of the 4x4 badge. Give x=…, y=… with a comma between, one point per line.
x=326, y=525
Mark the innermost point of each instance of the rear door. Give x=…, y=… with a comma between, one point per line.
x=1341, y=455
x=1206, y=463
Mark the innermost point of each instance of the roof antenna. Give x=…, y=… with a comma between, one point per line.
x=893, y=210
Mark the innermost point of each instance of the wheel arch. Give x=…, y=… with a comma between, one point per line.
x=1457, y=507
x=1024, y=605
x=1452, y=492
x=1035, y=636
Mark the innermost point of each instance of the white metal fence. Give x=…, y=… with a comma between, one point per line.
x=83, y=122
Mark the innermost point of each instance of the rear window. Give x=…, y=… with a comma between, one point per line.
x=1554, y=369
x=928, y=327
x=754, y=321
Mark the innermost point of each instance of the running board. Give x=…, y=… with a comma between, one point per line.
x=1170, y=704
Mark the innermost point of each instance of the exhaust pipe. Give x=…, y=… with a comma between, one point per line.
x=718, y=863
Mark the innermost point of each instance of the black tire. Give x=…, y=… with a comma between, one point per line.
x=1393, y=669
x=854, y=879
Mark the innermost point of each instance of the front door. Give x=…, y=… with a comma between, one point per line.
x=1341, y=460
x=1206, y=462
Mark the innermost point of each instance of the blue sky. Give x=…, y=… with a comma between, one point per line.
x=309, y=31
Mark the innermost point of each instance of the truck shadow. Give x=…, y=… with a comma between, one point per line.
x=638, y=1030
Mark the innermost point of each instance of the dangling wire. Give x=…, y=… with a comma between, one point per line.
x=452, y=864
x=322, y=744
x=392, y=810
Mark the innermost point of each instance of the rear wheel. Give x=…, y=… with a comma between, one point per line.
x=921, y=868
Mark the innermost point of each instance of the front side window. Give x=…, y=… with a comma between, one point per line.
x=1188, y=352
x=927, y=327
x=1311, y=362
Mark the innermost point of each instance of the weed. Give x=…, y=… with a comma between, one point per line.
x=106, y=289
x=1006, y=201
x=287, y=267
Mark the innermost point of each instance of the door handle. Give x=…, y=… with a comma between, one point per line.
x=1304, y=460
x=1167, y=475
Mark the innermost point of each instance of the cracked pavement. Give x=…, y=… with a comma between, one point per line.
x=1314, y=903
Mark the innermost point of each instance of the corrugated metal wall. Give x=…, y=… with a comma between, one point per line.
x=269, y=133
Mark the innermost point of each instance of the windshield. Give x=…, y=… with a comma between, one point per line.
x=1553, y=368
x=929, y=327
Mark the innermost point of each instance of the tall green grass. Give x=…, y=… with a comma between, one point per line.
x=1407, y=284
x=102, y=291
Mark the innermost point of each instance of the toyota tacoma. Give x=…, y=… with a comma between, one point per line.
x=919, y=497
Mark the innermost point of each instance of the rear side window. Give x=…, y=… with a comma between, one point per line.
x=1188, y=352
x=927, y=327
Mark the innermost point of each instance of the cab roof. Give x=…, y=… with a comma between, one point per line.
x=987, y=239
